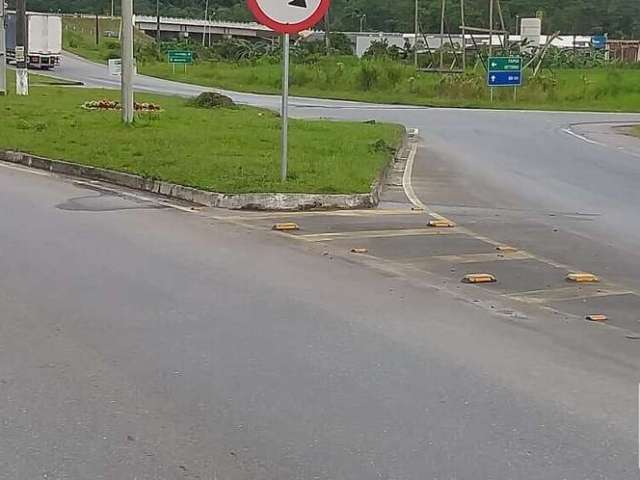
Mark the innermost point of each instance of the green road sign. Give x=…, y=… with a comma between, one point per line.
x=180, y=56
x=505, y=64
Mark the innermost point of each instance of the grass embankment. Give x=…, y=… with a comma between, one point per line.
x=226, y=150
x=386, y=81
x=79, y=37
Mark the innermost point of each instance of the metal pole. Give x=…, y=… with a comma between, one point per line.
x=204, y=26
x=97, y=29
x=113, y=8
x=127, y=61
x=490, y=40
x=3, y=53
x=327, y=31
x=490, y=27
x=444, y=7
x=22, y=74
x=285, y=108
x=464, y=37
x=416, y=28
x=158, y=21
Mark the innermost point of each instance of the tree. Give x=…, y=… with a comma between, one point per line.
x=619, y=18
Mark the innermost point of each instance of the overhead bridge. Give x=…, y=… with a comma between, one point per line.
x=197, y=30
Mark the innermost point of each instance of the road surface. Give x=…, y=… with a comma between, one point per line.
x=140, y=341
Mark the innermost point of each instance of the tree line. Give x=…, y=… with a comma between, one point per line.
x=618, y=18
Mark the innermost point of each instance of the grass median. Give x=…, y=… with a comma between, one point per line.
x=230, y=150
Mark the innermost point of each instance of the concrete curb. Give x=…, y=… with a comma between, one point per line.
x=248, y=201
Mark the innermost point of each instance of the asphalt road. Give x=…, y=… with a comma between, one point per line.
x=138, y=341
x=148, y=343
x=530, y=161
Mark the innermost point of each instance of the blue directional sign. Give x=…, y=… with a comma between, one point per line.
x=599, y=41
x=504, y=72
x=505, y=79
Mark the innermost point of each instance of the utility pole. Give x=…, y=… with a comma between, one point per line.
x=158, y=21
x=97, y=29
x=327, y=32
x=464, y=37
x=206, y=17
x=442, y=14
x=3, y=53
x=490, y=41
x=22, y=75
x=416, y=28
x=127, y=62
x=490, y=27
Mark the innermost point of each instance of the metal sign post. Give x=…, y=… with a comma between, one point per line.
x=3, y=52
x=182, y=57
x=285, y=108
x=504, y=72
x=286, y=17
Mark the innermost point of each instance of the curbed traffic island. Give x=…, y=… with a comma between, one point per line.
x=217, y=154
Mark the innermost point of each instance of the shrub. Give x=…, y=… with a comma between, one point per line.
x=368, y=75
x=211, y=100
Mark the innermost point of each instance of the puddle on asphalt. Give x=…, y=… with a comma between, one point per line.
x=104, y=202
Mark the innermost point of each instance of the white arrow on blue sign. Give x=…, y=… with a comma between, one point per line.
x=505, y=79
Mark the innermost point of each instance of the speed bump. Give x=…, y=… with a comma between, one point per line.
x=582, y=277
x=479, y=278
x=286, y=227
x=597, y=317
x=441, y=223
x=359, y=250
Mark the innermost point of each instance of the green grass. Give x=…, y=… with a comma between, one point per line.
x=380, y=81
x=225, y=150
x=79, y=37
x=385, y=81
x=636, y=131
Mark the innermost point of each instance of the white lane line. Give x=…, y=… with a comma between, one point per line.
x=407, y=185
x=406, y=179
x=582, y=137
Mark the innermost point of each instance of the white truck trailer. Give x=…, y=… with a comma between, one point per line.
x=44, y=39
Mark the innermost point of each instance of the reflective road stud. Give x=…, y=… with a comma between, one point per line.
x=582, y=277
x=441, y=223
x=479, y=278
x=286, y=227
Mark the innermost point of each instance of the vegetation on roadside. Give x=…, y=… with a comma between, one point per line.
x=232, y=150
x=619, y=18
x=79, y=37
x=387, y=81
x=567, y=80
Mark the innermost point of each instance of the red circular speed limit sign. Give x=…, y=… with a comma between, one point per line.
x=288, y=16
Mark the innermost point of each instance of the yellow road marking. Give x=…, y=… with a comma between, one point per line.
x=323, y=213
x=326, y=237
x=481, y=257
x=565, y=294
